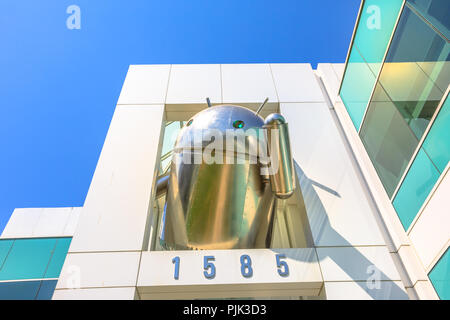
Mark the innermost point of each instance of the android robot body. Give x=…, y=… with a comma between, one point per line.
x=227, y=202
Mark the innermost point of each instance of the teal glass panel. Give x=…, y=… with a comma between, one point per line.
x=357, y=87
x=28, y=259
x=5, y=246
x=436, y=12
x=405, y=98
x=373, y=32
x=389, y=142
x=58, y=257
x=46, y=290
x=437, y=142
x=27, y=290
x=19, y=290
x=440, y=276
x=376, y=23
x=416, y=186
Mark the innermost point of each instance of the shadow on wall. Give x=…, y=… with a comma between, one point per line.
x=374, y=289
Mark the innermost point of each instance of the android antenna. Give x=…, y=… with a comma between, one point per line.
x=262, y=105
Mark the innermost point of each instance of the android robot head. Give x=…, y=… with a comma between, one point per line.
x=221, y=189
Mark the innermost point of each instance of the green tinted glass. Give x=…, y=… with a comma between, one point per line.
x=405, y=98
x=437, y=142
x=33, y=258
x=415, y=188
x=58, y=257
x=5, y=246
x=374, y=30
x=440, y=276
x=357, y=87
x=27, y=259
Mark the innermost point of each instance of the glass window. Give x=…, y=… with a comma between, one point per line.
x=437, y=142
x=405, y=97
x=19, y=290
x=418, y=183
x=46, y=290
x=436, y=12
x=28, y=259
x=32, y=258
x=58, y=257
x=374, y=30
x=357, y=87
x=27, y=290
x=5, y=246
x=440, y=276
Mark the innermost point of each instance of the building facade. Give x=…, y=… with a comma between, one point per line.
x=369, y=219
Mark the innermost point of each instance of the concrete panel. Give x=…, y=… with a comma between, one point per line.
x=357, y=264
x=111, y=269
x=96, y=294
x=247, y=83
x=339, y=210
x=435, y=220
x=115, y=211
x=387, y=290
x=329, y=79
x=157, y=274
x=296, y=82
x=52, y=222
x=145, y=84
x=22, y=223
x=193, y=83
x=72, y=221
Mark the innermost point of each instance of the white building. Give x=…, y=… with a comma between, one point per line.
x=343, y=235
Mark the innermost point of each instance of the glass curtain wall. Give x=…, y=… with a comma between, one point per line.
x=411, y=84
x=394, y=88
x=376, y=23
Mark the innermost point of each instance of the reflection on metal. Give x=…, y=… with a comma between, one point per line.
x=223, y=205
x=277, y=135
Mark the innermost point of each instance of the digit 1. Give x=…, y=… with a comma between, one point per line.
x=176, y=261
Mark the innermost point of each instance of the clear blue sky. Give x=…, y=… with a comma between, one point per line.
x=59, y=87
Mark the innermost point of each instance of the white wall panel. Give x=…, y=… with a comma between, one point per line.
x=247, y=83
x=296, y=82
x=115, y=211
x=330, y=79
x=346, y=290
x=338, y=208
x=96, y=294
x=22, y=223
x=192, y=83
x=103, y=269
x=431, y=231
x=356, y=263
x=145, y=84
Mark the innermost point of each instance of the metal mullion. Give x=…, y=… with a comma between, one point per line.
x=419, y=146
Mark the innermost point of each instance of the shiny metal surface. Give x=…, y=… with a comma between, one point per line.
x=217, y=205
x=282, y=178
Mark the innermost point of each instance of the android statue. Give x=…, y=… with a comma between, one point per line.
x=226, y=204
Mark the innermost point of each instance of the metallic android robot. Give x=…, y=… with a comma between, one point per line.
x=225, y=205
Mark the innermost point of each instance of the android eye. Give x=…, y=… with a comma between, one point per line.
x=238, y=124
x=189, y=122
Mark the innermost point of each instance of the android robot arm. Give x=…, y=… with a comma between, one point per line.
x=225, y=206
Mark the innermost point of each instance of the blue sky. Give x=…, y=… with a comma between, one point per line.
x=59, y=87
